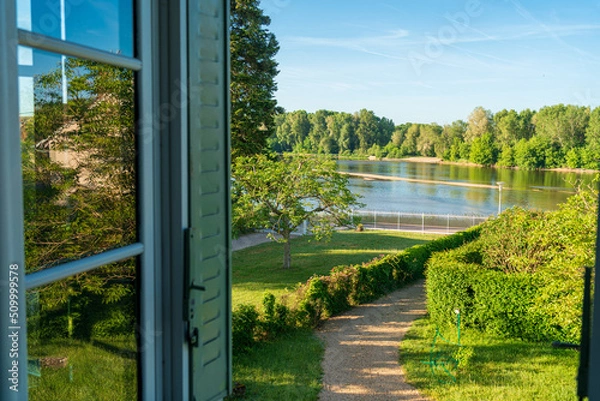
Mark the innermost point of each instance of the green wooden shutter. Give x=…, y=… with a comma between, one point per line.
x=209, y=278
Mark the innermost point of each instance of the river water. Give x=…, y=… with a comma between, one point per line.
x=542, y=190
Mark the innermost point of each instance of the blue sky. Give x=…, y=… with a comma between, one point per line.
x=435, y=61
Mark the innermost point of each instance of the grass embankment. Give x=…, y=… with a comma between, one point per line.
x=258, y=269
x=289, y=367
x=499, y=368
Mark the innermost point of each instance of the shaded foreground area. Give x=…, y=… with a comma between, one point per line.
x=287, y=368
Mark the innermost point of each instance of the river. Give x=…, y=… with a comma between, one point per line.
x=542, y=190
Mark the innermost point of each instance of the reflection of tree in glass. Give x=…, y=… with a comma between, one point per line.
x=79, y=178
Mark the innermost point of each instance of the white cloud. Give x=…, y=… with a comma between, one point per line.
x=356, y=43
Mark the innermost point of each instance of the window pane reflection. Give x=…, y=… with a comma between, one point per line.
x=81, y=337
x=78, y=152
x=102, y=24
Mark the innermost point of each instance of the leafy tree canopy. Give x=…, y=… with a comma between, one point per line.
x=280, y=194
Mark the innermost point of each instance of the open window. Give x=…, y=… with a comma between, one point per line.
x=114, y=152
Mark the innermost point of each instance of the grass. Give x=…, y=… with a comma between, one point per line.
x=258, y=269
x=103, y=370
x=288, y=368
x=499, y=369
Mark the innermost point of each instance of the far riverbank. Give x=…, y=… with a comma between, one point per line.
x=438, y=160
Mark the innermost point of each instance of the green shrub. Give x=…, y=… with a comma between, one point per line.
x=275, y=318
x=324, y=296
x=339, y=287
x=523, y=277
x=511, y=305
x=244, y=323
x=510, y=244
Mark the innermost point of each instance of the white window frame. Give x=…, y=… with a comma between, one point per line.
x=148, y=249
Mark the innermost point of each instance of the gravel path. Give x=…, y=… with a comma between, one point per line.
x=361, y=349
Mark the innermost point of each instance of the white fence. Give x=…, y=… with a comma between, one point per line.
x=421, y=222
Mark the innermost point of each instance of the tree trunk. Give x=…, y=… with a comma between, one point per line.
x=287, y=253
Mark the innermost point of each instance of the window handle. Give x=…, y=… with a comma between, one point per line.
x=197, y=287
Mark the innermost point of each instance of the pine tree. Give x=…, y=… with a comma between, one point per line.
x=253, y=72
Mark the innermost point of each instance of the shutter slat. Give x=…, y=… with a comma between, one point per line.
x=209, y=309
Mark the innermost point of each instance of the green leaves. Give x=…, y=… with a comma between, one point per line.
x=253, y=72
x=523, y=278
x=282, y=194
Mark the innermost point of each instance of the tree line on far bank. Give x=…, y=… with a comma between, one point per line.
x=552, y=137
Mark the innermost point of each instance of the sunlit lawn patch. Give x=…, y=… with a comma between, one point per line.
x=258, y=269
x=499, y=369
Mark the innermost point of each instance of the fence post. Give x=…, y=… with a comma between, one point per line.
x=374, y=219
x=423, y=222
x=448, y=226
x=398, y=221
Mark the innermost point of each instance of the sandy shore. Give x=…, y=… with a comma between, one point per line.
x=435, y=182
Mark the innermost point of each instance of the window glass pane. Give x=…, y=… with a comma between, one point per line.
x=102, y=24
x=82, y=337
x=78, y=152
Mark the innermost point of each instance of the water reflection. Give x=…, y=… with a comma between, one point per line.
x=542, y=190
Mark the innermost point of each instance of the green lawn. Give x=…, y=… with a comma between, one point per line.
x=288, y=368
x=499, y=369
x=103, y=370
x=258, y=269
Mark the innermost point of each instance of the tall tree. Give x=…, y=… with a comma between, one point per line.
x=562, y=124
x=508, y=127
x=253, y=72
x=319, y=130
x=526, y=118
x=428, y=139
x=483, y=150
x=452, y=136
x=386, y=130
x=480, y=122
x=347, y=139
x=367, y=128
x=300, y=127
x=409, y=146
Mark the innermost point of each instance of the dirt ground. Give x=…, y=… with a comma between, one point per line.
x=361, y=349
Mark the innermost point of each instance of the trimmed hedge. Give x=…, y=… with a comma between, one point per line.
x=531, y=306
x=324, y=296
